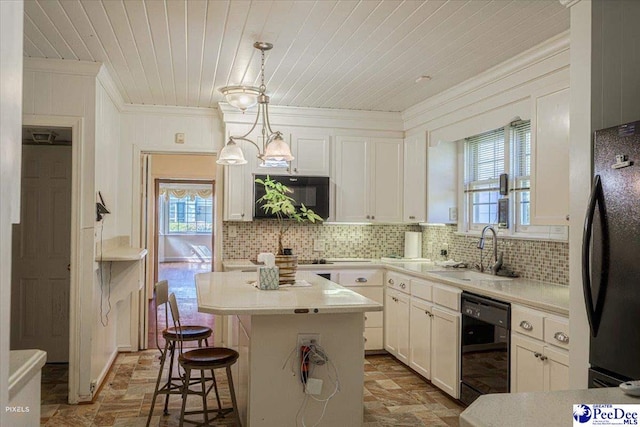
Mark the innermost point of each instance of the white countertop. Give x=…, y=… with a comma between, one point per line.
x=537, y=409
x=232, y=293
x=122, y=253
x=533, y=293
x=23, y=366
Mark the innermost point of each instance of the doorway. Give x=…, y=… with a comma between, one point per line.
x=41, y=251
x=181, y=226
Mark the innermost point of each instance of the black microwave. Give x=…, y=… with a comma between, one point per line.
x=312, y=191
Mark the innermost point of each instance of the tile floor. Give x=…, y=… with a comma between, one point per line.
x=393, y=396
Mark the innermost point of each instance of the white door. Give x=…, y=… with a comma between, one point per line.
x=312, y=154
x=391, y=322
x=445, y=351
x=41, y=254
x=527, y=370
x=415, y=179
x=420, y=337
x=386, y=181
x=556, y=369
x=403, y=327
x=352, y=157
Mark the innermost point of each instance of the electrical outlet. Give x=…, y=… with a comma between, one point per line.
x=233, y=231
x=318, y=245
x=307, y=339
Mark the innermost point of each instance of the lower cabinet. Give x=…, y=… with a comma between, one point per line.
x=536, y=366
x=396, y=325
x=421, y=320
x=445, y=344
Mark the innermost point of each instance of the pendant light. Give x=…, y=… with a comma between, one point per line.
x=273, y=145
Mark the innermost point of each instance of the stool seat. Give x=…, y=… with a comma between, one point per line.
x=209, y=357
x=189, y=333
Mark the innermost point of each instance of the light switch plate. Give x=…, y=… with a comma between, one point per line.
x=318, y=245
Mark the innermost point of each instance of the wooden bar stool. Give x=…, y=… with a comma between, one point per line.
x=173, y=384
x=207, y=358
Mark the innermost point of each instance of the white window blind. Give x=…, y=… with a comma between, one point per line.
x=485, y=156
x=521, y=137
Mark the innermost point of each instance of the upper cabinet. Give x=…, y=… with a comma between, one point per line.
x=442, y=179
x=415, y=179
x=238, y=187
x=311, y=152
x=550, y=160
x=369, y=179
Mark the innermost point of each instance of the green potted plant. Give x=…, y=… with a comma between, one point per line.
x=277, y=201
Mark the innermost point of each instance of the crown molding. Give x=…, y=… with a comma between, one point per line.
x=63, y=66
x=168, y=110
x=110, y=87
x=317, y=117
x=526, y=59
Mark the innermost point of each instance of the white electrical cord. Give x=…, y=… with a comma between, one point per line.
x=317, y=356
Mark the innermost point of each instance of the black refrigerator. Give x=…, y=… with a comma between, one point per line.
x=611, y=257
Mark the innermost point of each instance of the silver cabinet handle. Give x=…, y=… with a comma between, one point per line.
x=567, y=217
x=402, y=285
x=543, y=358
x=526, y=326
x=361, y=280
x=241, y=215
x=428, y=313
x=390, y=281
x=536, y=354
x=365, y=339
x=365, y=317
x=368, y=216
x=295, y=169
x=373, y=217
x=412, y=217
x=562, y=337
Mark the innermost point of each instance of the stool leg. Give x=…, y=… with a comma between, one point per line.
x=204, y=397
x=172, y=350
x=232, y=392
x=185, y=389
x=163, y=358
x=215, y=387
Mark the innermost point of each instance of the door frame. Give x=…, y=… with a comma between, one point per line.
x=77, y=127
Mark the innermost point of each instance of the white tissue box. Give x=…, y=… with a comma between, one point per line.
x=268, y=278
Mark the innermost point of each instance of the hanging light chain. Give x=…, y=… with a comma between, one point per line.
x=263, y=88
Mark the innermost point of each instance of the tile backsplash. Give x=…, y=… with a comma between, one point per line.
x=533, y=259
x=342, y=241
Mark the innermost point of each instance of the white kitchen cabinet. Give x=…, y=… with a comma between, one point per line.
x=311, y=152
x=549, y=160
x=238, y=187
x=396, y=326
x=415, y=179
x=539, y=351
x=420, y=326
x=368, y=179
x=445, y=351
x=442, y=183
x=368, y=283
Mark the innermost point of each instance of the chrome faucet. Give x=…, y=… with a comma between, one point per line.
x=497, y=261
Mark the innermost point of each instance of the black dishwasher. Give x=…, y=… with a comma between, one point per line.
x=485, y=357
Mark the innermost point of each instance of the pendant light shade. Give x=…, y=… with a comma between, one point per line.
x=274, y=148
x=231, y=154
x=241, y=97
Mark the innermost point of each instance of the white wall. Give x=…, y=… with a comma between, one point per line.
x=605, y=88
x=10, y=155
x=185, y=247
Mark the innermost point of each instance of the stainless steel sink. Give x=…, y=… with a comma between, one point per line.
x=470, y=276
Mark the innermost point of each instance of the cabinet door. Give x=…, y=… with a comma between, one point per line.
x=386, y=181
x=352, y=159
x=549, y=160
x=420, y=337
x=311, y=154
x=238, y=188
x=442, y=183
x=391, y=321
x=445, y=351
x=402, y=324
x=527, y=370
x=415, y=179
x=556, y=369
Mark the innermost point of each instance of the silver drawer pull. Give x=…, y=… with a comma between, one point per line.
x=543, y=358
x=390, y=281
x=365, y=317
x=526, y=325
x=562, y=337
x=538, y=355
x=361, y=280
x=402, y=285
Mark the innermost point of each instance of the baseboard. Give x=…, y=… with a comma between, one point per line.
x=103, y=374
x=124, y=349
x=184, y=259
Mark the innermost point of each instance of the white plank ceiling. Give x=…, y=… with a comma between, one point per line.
x=363, y=55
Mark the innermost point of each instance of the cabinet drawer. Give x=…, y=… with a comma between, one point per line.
x=527, y=322
x=361, y=278
x=373, y=339
x=399, y=282
x=556, y=331
x=422, y=289
x=447, y=296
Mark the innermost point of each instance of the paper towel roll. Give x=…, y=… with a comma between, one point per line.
x=412, y=244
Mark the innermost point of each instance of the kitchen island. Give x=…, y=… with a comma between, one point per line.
x=265, y=327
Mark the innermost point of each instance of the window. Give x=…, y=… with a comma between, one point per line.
x=186, y=208
x=520, y=134
x=485, y=161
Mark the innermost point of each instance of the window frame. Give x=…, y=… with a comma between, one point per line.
x=164, y=212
